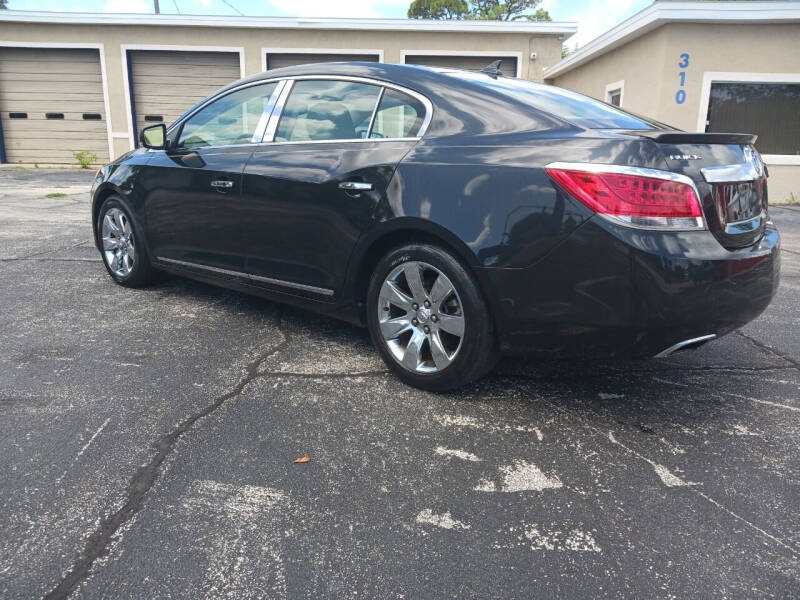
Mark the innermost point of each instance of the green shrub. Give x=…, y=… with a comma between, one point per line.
x=85, y=158
x=55, y=195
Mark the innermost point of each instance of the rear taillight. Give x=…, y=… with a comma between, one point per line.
x=632, y=196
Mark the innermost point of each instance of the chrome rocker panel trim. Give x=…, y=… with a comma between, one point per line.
x=289, y=284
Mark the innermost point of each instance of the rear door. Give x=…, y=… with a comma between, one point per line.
x=310, y=192
x=194, y=187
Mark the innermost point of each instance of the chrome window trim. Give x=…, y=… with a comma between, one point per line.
x=266, y=114
x=285, y=85
x=683, y=223
x=731, y=173
x=374, y=112
x=243, y=275
x=277, y=112
x=346, y=141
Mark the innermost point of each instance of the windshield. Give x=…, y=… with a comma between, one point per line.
x=569, y=106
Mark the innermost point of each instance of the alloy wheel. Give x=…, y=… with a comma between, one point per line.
x=421, y=317
x=119, y=249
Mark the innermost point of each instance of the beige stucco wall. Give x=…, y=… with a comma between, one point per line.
x=649, y=67
x=638, y=64
x=392, y=43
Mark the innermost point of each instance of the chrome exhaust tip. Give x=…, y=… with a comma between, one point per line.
x=689, y=344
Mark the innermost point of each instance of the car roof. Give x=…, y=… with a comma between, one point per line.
x=476, y=108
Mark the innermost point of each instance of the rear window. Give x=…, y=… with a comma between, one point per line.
x=569, y=106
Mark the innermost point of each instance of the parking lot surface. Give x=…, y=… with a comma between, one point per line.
x=147, y=439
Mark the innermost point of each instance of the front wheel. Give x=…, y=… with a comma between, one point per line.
x=428, y=318
x=124, y=253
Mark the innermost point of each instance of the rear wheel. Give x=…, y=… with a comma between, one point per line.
x=124, y=253
x=428, y=319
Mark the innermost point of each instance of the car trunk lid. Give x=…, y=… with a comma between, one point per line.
x=730, y=177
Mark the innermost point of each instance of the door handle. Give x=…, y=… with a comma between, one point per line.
x=222, y=184
x=355, y=186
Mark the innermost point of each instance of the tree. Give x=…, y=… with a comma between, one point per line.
x=436, y=9
x=3, y=4
x=508, y=10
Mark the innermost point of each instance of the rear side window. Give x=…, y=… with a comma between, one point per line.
x=324, y=110
x=398, y=116
x=229, y=120
x=569, y=106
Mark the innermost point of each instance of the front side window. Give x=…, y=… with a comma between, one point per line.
x=229, y=120
x=399, y=116
x=770, y=110
x=323, y=110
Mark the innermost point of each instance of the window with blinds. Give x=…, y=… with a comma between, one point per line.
x=770, y=110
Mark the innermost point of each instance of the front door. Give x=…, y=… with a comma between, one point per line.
x=195, y=186
x=310, y=193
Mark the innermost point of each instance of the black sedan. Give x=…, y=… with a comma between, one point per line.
x=458, y=215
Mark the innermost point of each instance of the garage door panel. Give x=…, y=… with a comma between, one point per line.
x=168, y=83
x=278, y=60
x=36, y=81
x=48, y=89
x=469, y=63
x=192, y=89
x=157, y=82
x=193, y=72
x=9, y=76
x=46, y=105
x=30, y=127
x=43, y=128
x=185, y=59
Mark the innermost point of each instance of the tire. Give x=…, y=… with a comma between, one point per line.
x=136, y=271
x=420, y=342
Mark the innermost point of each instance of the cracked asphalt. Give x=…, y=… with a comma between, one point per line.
x=147, y=439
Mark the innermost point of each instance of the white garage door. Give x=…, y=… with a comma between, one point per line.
x=277, y=60
x=468, y=63
x=165, y=84
x=51, y=105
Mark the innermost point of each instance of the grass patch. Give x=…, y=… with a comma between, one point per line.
x=793, y=200
x=56, y=195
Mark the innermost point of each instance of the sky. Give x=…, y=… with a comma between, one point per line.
x=593, y=16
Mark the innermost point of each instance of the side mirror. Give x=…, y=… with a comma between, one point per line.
x=154, y=137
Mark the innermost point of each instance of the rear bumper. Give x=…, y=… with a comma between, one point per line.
x=610, y=291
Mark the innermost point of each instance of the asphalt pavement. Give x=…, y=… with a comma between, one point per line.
x=147, y=440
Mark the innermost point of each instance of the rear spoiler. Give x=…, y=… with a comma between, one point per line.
x=679, y=137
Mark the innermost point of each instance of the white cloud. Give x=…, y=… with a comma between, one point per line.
x=128, y=6
x=600, y=16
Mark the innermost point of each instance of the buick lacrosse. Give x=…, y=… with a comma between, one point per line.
x=458, y=215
